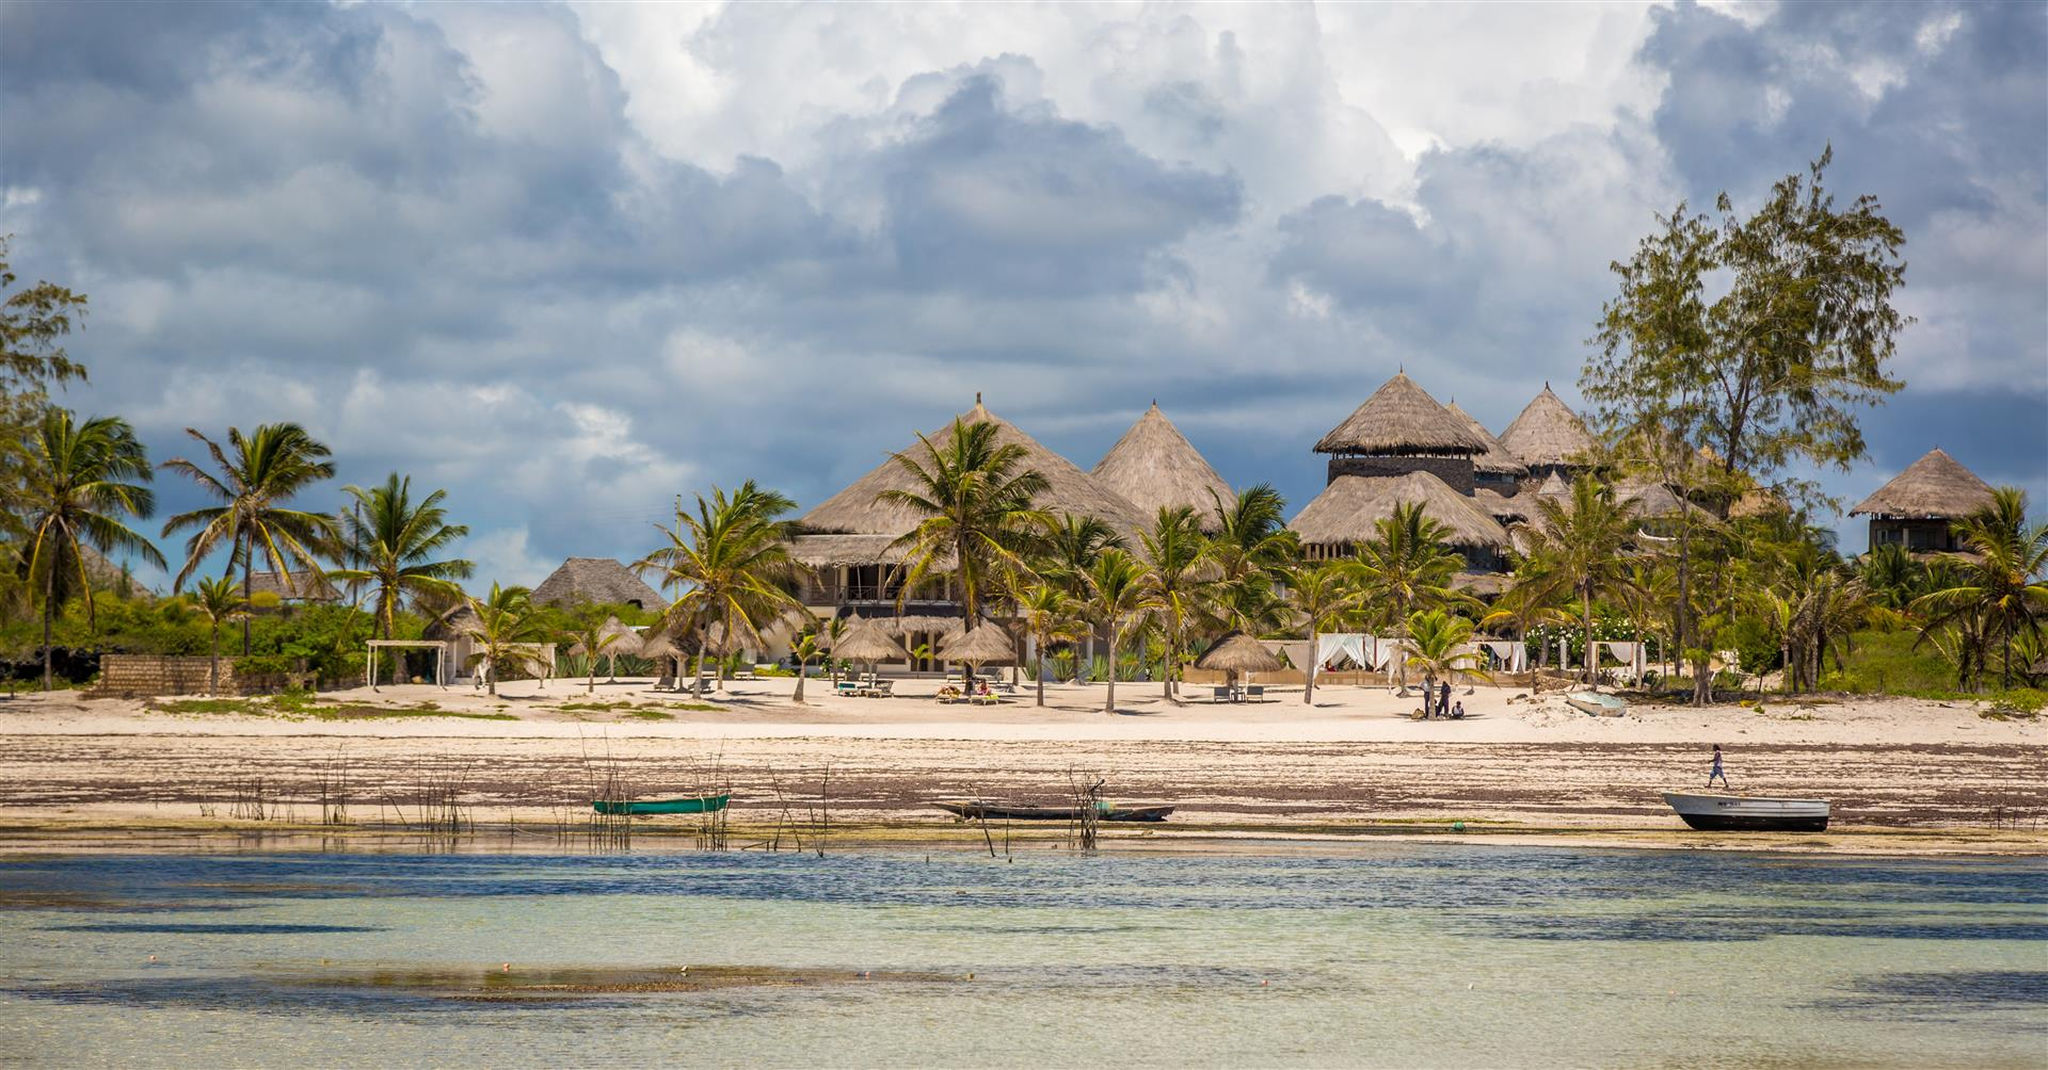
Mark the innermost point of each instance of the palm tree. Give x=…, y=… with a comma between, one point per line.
x=806, y=649
x=391, y=540
x=79, y=478
x=1251, y=551
x=505, y=632
x=1175, y=559
x=217, y=601
x=1326, y=595
x=1581, y=540
x=1434, y=639
x=976, y=499
x=1048, y=617
x=1067, y=548
x=1405, y=566
x=1892, y=576
x=1116, y=596
x=2000, y=592
x=730, y=563
x=258, y=473
x=586, y=630
x=1530, y=601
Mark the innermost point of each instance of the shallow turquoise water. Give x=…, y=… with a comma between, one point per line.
x=1385, y=955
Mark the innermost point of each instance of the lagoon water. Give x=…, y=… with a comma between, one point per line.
x=1383, y=955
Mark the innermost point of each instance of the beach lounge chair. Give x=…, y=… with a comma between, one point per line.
x=1255, y=693
x=846, y=687
x=881, y=689
x=1222, y=694
x=666, y=683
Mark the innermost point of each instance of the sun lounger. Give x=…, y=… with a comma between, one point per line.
x=846, y=687
x=666, y=683
x=1222, y=694
x=1255, y=693
x=881, y=689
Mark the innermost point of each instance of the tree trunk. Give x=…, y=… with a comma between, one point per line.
x=1109, y=706
x=1308, y=690
x=1703, y=678
x=1592, y=659
x=248, y=590
x=1038, y=652
x=802, y=671
x=49, y=610
x=1785, y=666
x=697, y=684
x=213, y=671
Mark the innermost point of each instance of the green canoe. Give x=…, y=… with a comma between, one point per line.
x=705, y=805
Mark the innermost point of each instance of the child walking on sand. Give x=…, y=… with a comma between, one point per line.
x=1717, y=771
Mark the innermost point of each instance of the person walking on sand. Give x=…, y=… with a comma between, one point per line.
x=1717, y=771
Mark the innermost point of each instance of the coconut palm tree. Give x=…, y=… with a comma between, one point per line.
x=729, y=562
x=1067, y=547
x=2000, y=591
x=976, y=500
x=79, y=479
x=1530, y=601
x=257, y=474
x=390, y=541
x=1048, y=615
x=505, y=632
x=1581, y=540
x=218, y=601
x=1178, y=580
x=1326, y=596
x=1250, y=551
x=586, y=630
x=1116, y=599
x=807, y=648
x=1892, y=576
x=1405, y=567
x=1434, y=639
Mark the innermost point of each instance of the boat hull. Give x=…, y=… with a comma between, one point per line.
x=970, y=811
x=1749, y=813
x=1597, y=704
x=708, y=804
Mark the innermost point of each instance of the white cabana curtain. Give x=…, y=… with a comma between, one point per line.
x=1630, y=653
x=1387, y=653
x=1348, y=644
x=1513, y=655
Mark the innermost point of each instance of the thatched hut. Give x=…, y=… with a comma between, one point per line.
x=985, y=644
x=1549, y=437
x=305, y=587
x=1401, y=429
x=846, y=538
x=1497, y=469
x=1918, y=506
x=596, y=581
x=1346, y=512
x=1155, y=467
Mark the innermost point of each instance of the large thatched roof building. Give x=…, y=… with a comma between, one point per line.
x=1155, y=467
x=1548, y=436
x=1917, y=508
x=1401, y=429
x=1346, y=512
x=1497, y=465
x=596, y=581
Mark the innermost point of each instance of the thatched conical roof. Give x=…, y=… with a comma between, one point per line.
x=1935, y=487
x=1400, y=418
x=658, y=644
x=1155, y=467
x=866, y=642
x=459, y=621
x=1238, y=652
x=855, y=511
x=1347, y=510
x=596, y=580
x=1497, y=459
x=1547, y=432
x=627, y=640
x=984, y=644
x=1555, y=489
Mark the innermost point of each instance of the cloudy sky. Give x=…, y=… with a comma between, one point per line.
x=571, y=261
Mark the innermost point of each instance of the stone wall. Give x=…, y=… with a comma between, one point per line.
x=1455, y=471
x=155, y=674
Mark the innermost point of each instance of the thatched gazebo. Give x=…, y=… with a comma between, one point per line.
x=1918, y=506
x=1239, y=653
x=1401, y=429
x=1549, y=437
x=596, y=581
x=1345, y=514
x=1154, y=467
x=657, y=646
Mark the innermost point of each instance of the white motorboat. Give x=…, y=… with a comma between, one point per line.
x=1758, y=813
x=1597, y=704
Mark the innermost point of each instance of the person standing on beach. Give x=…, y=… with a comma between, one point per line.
x=1443, y=700
x=1717, y=771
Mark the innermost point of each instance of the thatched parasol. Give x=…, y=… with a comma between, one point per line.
x=1401, y=419
x=1155, y=467
x=1548, y=433
x=984, y=644
x=856, y=510
x=1345, y=513
x=1239, y=653
x=1935, y=487
x=658, y=644
x=867, y=642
